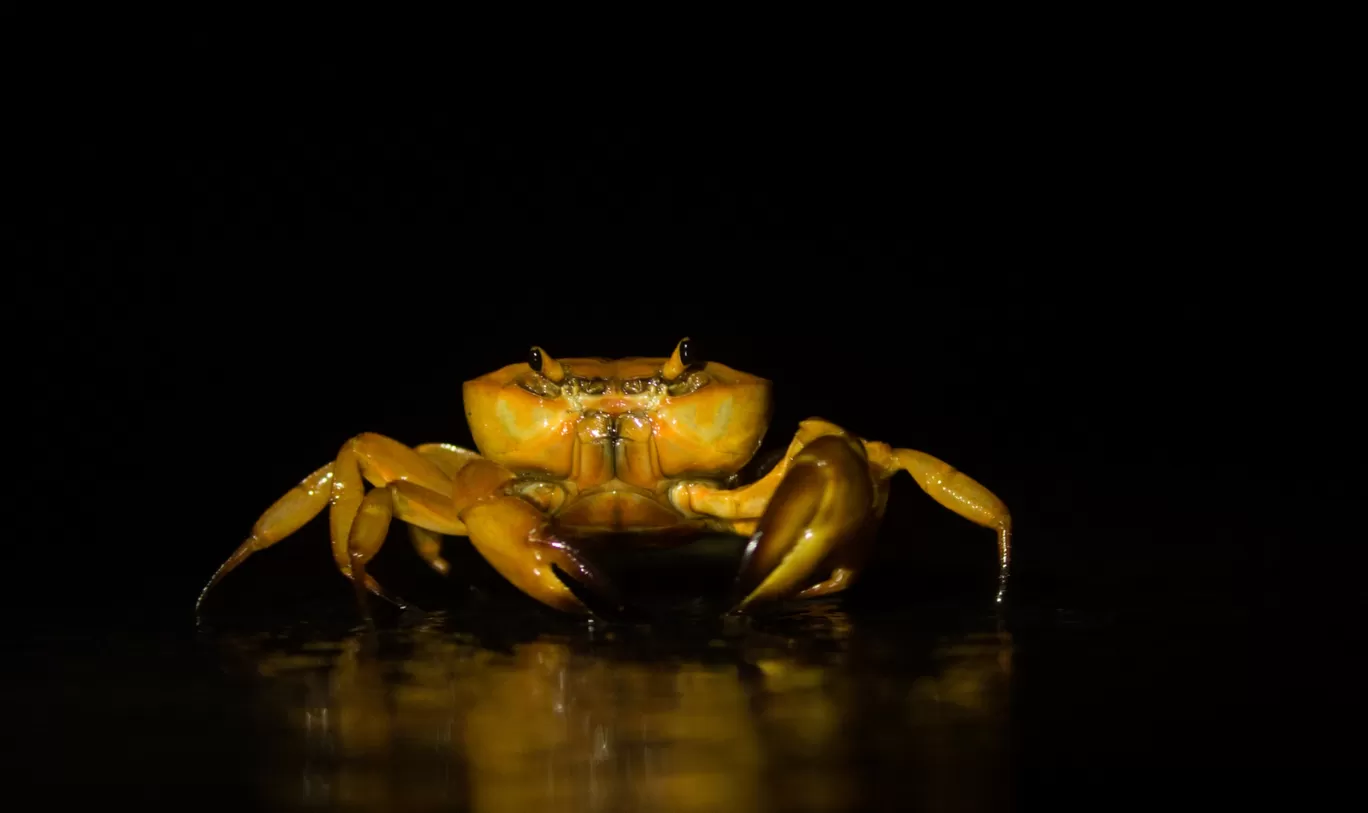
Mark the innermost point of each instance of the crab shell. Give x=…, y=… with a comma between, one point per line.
x=709, y=432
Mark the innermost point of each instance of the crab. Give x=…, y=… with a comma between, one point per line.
x=643, y=449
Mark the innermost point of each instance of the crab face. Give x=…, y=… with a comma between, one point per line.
x=702, y=419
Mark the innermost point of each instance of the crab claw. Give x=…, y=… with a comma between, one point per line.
x=819, y=510
x=596, y=594
x=516, y=539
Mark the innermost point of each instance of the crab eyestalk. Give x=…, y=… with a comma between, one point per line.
x=680, y=360
x=542, y=363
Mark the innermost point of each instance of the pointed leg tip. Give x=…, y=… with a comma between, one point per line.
x=199, y=602
x=598, y=596
x=741, y=597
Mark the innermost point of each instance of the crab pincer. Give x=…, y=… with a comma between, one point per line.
x=517, y=539
x=818, y=521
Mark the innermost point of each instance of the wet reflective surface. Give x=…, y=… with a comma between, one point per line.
x=772, y=717
x=804, y=711
x=848, y=704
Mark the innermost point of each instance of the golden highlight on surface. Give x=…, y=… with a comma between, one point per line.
x=436, y=720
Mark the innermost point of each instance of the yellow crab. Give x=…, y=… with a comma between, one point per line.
x=581, y=448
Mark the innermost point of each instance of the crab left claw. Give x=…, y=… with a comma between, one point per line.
x=818, y=525
x=819, y=519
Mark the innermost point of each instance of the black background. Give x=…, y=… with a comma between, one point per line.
x=224, y=292
x=1073, y=301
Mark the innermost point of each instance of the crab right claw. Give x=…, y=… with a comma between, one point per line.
x=817, y=523
x=516, y=538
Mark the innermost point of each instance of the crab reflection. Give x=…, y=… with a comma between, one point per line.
x=809, y=717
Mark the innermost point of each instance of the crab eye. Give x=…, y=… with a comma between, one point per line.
x=683, y=372
x=684, y=356
x=541, y=362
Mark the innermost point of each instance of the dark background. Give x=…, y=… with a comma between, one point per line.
x=220, y=297
x=1067, y=299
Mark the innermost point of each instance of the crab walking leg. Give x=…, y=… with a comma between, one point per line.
x=338, y=484
x=824, y=502
x=367, y=534
x=285, y=516
x=428, y=515
x=957, y=491
x=428, y=545
x=427, y=542
x=381, y=461
x=448, y=457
